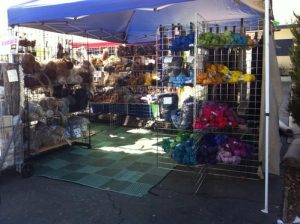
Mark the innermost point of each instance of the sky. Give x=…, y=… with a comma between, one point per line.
x=283, y=10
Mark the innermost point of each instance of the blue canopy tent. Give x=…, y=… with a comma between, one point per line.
x=120, y=21
x=135, y=21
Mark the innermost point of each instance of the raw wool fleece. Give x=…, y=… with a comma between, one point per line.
x=96, y=62
x=33, y=142
x=58, y=70
x=49, y=105
x=49, y=135
x=85, y=70
x=122, y=79
x=32, y=69
x=117, y=95
x=34, y=112
x=113, y=64
x=76, y=127
x=46, y=107
x=109, y=79
x=55, y=72
x=30, y=65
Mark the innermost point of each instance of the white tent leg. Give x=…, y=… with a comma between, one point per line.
x=267, y=100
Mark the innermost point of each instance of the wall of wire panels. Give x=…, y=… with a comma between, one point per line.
x=45, y=45
x=56, y=93
x=219, y=65
x=126, y=84
x=239, y=91
x=176, y=65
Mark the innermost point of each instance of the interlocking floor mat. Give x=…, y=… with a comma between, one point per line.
x=122, y=160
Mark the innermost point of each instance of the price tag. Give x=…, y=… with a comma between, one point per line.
x=168, y=59
x=77, y=132
x=190, y=58
x=167, y=100
x=12, y=75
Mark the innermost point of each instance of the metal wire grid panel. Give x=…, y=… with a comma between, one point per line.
x=166, y=36
x=122, y=93
x=47, y=49
x=243, y=97
x=116, y=111
x=11, y=144
x=45, y=45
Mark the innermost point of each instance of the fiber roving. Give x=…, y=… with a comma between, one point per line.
x=182, y=43
x=217, y=115
x=233, y=150
x=226, y=39
x=208, y=150
x=181, y=149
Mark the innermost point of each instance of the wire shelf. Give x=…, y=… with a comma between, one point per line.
x=242, y=97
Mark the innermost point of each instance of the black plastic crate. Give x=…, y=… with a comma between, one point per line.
x=100, y=107
x=114, y=108
x=139, y=110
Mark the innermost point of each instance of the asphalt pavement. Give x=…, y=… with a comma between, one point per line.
x=39, y=200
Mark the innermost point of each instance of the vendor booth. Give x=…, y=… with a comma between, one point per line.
x=201, y=72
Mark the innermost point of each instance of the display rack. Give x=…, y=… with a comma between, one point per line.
x=48, y=76
x=167, y=62
x=56, y=119
x=243, y=97
x=119, y=91
x=11, y=126
x=238, y=90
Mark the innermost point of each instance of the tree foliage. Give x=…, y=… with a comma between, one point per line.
x=295, y=71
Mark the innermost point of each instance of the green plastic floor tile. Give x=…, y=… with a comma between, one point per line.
x=114, y=156
x=115, y=185
x=127, y=175
x=120, y=164
x=94, y=180
x=141, y=167
x=74, y=176
x=40, y=169
x=55, y=174
x=56, y=163
x=147, y=159
x=149, y=179
x=73, y=167
x=96, y=154
x=131, y=157
x=100, y=143
x=133, y=172
x=159, y=171
x=103, y=162
x=89, y=169
x=70, y=157
x=137, y=189
x=80, y=151
x=108, y=172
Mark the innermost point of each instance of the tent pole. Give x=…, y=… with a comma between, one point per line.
x=267, y=100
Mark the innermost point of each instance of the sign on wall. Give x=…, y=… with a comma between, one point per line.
x=8, y=45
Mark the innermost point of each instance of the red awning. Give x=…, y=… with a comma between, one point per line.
x=95, y=45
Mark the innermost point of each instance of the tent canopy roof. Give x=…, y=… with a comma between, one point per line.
x=121, y=20
x=48, y=10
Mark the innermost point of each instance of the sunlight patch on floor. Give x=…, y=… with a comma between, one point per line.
x=141, y=146
x=139, y=131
